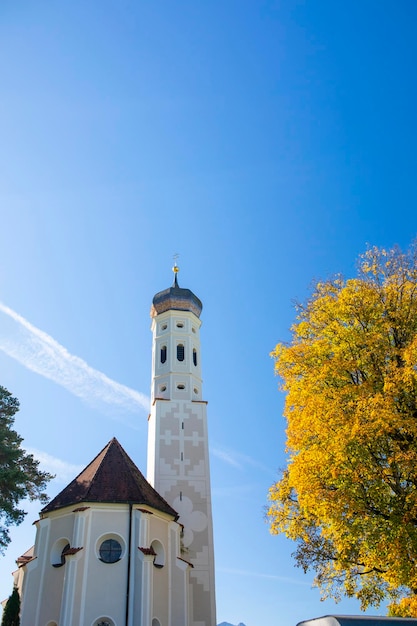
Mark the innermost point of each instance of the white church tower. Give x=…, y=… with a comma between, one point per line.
x=178, y=460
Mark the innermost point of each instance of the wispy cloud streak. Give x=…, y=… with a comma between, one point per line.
x=286, y=579
x=237, y=459
x=64, y=472
x=233, y=491
x=227, y=456
x=40, y=353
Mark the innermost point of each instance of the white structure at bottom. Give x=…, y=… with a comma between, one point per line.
x=113, y=549
x=107, y=553
x=178, y=458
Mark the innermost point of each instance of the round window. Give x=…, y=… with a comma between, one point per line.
x=110, y=551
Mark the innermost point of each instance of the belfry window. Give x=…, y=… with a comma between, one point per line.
x=163, y=354
x=180, y=352
x=195, y=357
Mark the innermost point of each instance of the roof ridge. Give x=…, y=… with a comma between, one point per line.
x=104, y=452
x=111, y=477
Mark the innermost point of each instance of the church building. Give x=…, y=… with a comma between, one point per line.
x=114, y=548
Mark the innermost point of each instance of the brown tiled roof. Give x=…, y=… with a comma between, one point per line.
x=148, y=551
x=26, y=557
x=110, y=477
x=70, y=551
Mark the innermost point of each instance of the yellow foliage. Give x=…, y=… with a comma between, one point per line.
x=349, y=493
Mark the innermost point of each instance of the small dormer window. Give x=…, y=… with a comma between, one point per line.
x=163, y=354
x=180, y=352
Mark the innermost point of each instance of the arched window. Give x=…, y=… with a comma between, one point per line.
x=195, y=357
x=180, y=352
x=159, y=558
x=163, y=354
x=58, y=552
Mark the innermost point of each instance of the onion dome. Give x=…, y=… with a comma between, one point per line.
x=176, y=299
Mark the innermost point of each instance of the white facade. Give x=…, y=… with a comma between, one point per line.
x=113, y=549
x=178, y=458
x=106, y=564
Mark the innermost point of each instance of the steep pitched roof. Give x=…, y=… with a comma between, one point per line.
x=111, y=477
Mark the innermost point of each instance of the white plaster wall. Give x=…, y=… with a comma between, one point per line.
x=178, y=459
x=104, y=585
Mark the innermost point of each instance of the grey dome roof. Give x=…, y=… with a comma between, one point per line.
x=176, y=299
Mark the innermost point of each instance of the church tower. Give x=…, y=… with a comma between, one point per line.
x=178, y=460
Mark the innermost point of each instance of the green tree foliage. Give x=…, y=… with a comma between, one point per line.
x=348, y=496
x=11, y=612
x=20, y=476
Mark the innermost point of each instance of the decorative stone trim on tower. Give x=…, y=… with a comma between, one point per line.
x=178, y=459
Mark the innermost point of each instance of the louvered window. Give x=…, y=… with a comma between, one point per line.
x=180, y=352
x=163, y=354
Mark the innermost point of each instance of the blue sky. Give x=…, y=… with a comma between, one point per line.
x=265, y=142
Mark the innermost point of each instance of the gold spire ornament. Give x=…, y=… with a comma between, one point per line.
x=175, y=269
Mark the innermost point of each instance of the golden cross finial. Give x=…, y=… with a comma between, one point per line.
x=175, y=269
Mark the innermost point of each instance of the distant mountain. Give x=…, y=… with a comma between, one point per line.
x=228, y=624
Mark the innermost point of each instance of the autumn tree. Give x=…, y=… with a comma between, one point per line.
x=348, y=496
x=20, y=476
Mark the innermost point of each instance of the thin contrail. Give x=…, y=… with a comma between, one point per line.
x=40, y=353
x=285, y=579
x=237, y=459
x=63, y=471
